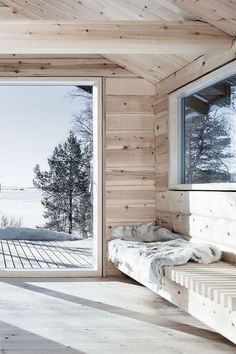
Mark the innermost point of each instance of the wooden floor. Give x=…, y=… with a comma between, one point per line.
x=97, y=316
x=45, y=254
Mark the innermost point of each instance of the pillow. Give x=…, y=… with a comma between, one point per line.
x=144, y=233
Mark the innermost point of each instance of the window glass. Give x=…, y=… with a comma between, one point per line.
x=209, y=134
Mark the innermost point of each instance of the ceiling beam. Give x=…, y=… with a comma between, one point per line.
x=131, y=37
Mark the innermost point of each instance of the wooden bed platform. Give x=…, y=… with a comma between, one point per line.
x=207, y=292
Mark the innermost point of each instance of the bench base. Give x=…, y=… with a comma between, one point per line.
x=220, y=318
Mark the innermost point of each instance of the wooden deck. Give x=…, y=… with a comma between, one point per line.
x=45, y=254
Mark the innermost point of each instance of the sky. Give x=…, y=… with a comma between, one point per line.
x=33, y=120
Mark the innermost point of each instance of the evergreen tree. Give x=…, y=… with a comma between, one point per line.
x=65, y=187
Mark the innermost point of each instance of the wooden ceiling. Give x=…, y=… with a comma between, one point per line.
x=153, y=67
x=219, y=13
x=97, y=10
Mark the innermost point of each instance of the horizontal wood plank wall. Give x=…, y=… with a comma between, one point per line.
x=53, y=66
x=205, y=215
x=130, y=154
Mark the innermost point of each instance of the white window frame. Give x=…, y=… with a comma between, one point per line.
x=175, y=127
x=97, y=177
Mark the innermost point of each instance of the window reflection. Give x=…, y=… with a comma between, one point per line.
x=209, y=134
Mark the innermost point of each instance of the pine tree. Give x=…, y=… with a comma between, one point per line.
x=65, y=187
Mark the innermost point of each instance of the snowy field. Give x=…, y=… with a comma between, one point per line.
x=24, y=204
x=30, y=248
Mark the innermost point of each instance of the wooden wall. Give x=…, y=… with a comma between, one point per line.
x=129, y=154
x=15, y=66
x=204, y=215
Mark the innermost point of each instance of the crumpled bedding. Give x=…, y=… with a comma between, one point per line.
x=150, y=232
x=146, y=259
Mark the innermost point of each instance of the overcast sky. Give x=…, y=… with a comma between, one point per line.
x=33, y=120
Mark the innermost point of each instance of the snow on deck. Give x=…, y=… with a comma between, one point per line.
x=19, y=254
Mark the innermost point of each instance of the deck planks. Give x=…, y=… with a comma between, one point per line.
x=21, y=254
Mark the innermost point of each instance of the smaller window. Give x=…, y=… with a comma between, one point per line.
x=204, y=132
x=209, y=134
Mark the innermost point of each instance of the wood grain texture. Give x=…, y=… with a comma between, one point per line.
x=215, y=284
x=129, y=104
x=194, y=70
x=220, y=14
x=8, y=13
x=151, y=67
x=130, y=37
x=94, y=316
x=207, y=292
x=119, y=140
x=84, y=65
x=208, y=216
x=130, y=154
x=98, y=10
x=144, y=175
x=162, y=143
x=143, y=122
x=129, y=87
x=204, y=215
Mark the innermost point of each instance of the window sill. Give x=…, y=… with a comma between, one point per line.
x=204, y=187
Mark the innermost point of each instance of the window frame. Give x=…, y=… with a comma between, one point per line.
x=176, y=129
x=98, y=177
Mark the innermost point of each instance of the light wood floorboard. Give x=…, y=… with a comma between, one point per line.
x=97, y=316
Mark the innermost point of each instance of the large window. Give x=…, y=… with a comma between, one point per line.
x=203, y=137
x=50, y=177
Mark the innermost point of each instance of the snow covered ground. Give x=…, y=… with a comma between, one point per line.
x=24, y=204
x=26, y=233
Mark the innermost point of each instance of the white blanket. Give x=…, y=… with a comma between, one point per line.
x=145, y=260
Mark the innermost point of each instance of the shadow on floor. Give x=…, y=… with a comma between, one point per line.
x=151, y=319
x=14, y=339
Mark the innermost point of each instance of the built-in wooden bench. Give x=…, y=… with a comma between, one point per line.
x=208, y=292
